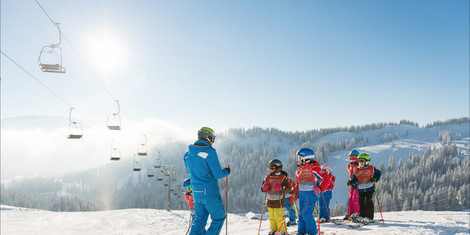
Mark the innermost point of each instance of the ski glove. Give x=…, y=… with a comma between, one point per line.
x=277, y=187
x=373, y=179
x=294, y=198
x=348, y=183
x=266, y=186
x=226, y=167
x=316, y=190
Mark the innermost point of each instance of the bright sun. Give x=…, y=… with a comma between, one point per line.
x=107, y=53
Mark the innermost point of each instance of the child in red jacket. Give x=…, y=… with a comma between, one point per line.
x=353, y=199
x=290, y=200
x=189, y=196
x=309, y=181
x=327, y=192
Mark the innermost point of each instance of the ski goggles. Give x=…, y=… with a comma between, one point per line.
x=352, y=157
x=361, y=160
x=272, y=168
x=189, y=187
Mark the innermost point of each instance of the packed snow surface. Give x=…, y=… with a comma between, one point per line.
x=16, y=220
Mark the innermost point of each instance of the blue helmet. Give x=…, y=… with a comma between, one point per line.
x=305, y=154
x=186, y=182
x=354, y=153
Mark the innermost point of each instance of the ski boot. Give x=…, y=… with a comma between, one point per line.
x=356, y=218
x=290, y=223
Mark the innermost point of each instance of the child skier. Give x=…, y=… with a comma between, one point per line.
x=325, y=196
x=275, y=185
x=364, y=177
x=309, y=181
x=189, y=196
x=290, y=200
x=353, y=202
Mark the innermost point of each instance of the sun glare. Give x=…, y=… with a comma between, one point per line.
x=107, y=53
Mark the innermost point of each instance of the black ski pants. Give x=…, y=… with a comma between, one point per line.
x=366, y=205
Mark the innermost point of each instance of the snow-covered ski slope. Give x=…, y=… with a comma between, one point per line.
x=16, y=220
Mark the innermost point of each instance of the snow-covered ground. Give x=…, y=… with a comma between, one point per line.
x=16, y=220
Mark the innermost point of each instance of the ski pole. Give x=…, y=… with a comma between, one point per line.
x=282, y=214
x=318, y=220
x=378, y=203
x=327, y=210
x=226, y=205
x=296, y=211
x=190, y=226
x=283, y=222
x=262, y=212
x=349, y=203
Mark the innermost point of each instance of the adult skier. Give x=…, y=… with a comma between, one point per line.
x=327, y=192
x=203, y=167
x=309, y=184
x=275, y=185
x=364, y=177
x=353, y=203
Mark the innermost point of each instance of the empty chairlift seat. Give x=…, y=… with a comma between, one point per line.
x=50, y=57
x=137, y=166
x=75, y=128
x=114, y=120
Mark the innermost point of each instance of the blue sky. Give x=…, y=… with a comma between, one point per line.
x=292, y=65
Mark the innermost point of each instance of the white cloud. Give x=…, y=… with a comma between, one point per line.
x=49, y=152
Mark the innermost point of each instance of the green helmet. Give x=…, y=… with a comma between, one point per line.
x=364, y=156
x=207, y=134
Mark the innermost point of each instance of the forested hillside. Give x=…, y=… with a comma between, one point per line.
x=423, y=179
x=437, y=180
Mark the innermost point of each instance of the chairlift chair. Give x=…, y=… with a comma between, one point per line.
x=156, y=162
x=75, y=128
x=137, y=166
x=115, y=153
x=50, y=57
x=114, y=120
x=142, y=149
x=75, y=131
x=149, y=171
x=160, y=179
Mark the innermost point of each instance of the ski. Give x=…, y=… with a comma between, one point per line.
x=338, y=221
x=321, y=233
x=357, y=225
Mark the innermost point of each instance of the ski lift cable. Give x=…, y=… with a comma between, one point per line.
x=37, y=80
x=46, y=13
x=53, y=22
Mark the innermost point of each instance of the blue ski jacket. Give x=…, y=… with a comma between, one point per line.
x=203, y=167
